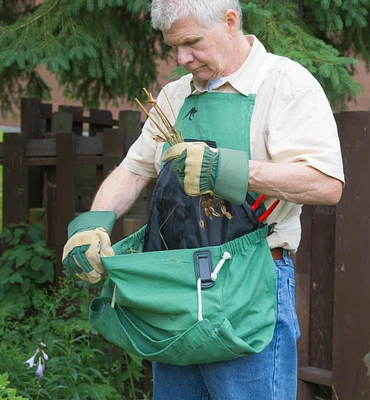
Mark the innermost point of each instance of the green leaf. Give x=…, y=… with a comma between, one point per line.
x=43, y=252
x=90, y=5
x=34, y=234
x=18, y=235
x=6, y=234
x=5, y=272
x=23, y=258
x=25, y=285
x=101, y=3
x=74, y=374
x=104, y=392
x=36, y=263
x=15, y=251
x=136, y=359
x=16, y=278
x=4, y=380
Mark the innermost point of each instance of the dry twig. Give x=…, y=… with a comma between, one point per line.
x=172, y=136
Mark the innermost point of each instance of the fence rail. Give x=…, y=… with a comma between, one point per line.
x=43, y=167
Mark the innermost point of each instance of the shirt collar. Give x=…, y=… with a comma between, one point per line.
x=242, y=79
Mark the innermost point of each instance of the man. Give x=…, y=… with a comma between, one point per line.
x=275, y=134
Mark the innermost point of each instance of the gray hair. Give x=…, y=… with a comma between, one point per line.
x=207, y=12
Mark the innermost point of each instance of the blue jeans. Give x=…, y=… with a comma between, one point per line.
x=269, y=375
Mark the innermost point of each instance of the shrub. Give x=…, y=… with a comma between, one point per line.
x=45, y=329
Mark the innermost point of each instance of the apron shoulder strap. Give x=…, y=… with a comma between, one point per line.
x=268, y=63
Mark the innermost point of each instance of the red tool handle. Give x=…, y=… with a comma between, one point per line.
x=268, y=211
x=257, y=203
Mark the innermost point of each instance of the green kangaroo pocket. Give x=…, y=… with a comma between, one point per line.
x=201, y=343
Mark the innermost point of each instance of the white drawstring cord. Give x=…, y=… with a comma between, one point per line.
x=113, y=303
x=199, y=289
x=225, y=257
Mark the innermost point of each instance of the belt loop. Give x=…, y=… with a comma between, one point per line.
x=286, y=256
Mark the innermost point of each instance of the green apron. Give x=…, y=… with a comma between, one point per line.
x=159, y=305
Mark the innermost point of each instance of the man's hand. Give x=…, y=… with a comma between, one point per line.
x=202, y=169
x=88, y=240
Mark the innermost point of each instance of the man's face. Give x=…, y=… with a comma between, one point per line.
x=205, y=52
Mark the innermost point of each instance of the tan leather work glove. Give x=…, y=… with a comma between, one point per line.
x=88, y=240
x=202, y=169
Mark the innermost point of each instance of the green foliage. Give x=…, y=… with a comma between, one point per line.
x=1, y=189
x=104, y=50
x=99, y=49
x=80, y=363
x=319, y=35
x=24, y=267
x=5, y=392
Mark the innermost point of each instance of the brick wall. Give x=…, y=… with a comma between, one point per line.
x=361, y=103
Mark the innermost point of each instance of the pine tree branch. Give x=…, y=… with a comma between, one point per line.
x=32, y=19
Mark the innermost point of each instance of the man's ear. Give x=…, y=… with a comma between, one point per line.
x=232, y=21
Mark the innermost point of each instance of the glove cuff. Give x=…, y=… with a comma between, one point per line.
x=232, y=177
x=208, y=170
x=91, y=220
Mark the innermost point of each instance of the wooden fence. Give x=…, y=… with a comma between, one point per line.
x=333, y=279
x=332, y=264
x=52, y=167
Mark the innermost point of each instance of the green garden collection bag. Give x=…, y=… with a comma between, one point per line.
x=162, y=306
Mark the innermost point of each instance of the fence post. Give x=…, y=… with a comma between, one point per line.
x=46, y=116
x=302, y=263
x=65, y=193
x=352, y=273
x=96, y=114
x=60, y=202
x=130, y=123
x=15, y=201
x=31, y=127
x=76, y=113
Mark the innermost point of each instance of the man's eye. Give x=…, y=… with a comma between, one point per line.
x=190, y=44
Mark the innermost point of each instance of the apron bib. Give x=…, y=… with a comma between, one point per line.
x=180, y=294
x=174, y=221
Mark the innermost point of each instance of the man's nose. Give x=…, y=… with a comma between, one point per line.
x=184, y=56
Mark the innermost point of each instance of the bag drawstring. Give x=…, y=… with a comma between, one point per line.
x=113, y=303
x=214, y=274
x=199, y=290
x=225, y=257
